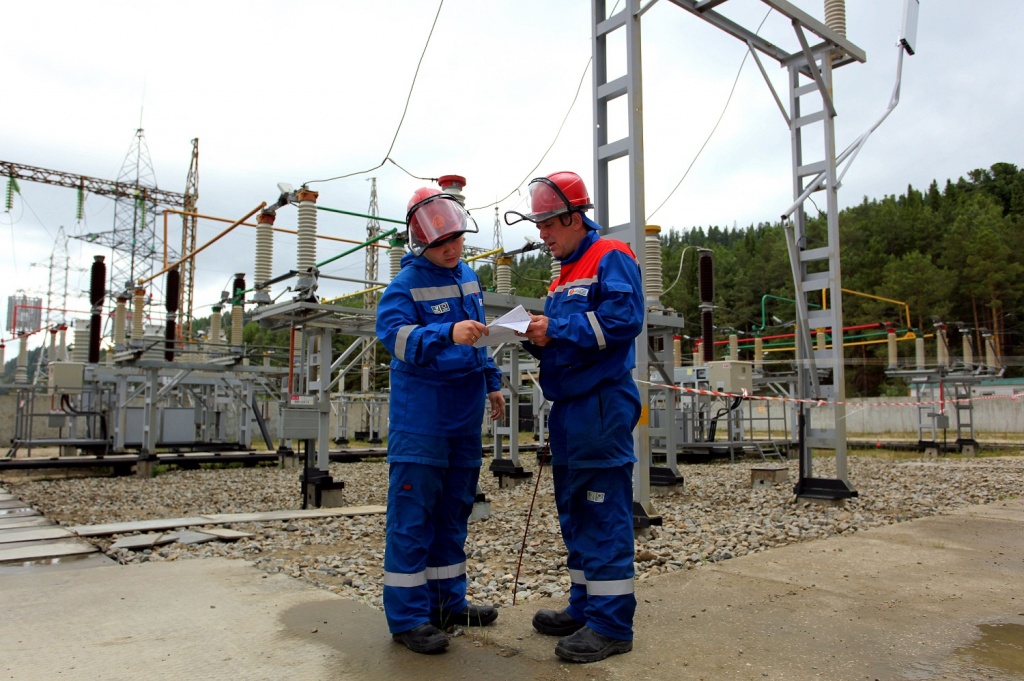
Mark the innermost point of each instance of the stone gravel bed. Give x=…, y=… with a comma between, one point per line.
x=715, y=515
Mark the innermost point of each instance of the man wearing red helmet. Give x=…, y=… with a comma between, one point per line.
x=584, y=341
x=428, y=318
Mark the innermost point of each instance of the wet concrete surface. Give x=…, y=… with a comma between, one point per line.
x=936, y=598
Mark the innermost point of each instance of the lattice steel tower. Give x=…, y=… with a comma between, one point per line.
x=134, y=243
x=371, y=296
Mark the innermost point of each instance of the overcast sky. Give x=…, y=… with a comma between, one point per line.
x=301, y=91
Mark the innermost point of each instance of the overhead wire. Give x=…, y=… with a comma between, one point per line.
x=405, y=110
x=721, y=116
x=529, y=174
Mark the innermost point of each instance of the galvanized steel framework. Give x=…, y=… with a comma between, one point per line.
x=815, y=269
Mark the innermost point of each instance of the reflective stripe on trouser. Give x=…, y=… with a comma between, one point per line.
x=424, y=546
x=595, y=511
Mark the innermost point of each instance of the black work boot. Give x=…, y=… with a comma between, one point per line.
x=425, y=638
x=586, y=645
x=556, y=623
x=471, y=616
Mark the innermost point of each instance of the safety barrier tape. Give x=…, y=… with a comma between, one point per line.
x=828, y=403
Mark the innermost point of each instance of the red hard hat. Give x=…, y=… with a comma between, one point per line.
x=432, y=216
x=558, y=193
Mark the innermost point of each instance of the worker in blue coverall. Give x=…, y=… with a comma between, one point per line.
x=584, y=340
x=428, y=318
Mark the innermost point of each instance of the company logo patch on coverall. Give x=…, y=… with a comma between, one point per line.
x=578, y=291
x=440, y=309
x=596, y=497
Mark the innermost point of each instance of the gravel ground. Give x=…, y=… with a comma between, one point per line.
x=714, y=516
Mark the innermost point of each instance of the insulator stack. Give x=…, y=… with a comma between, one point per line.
x=97, y=292
x=97, y=281
x=890, y=341
x=395, y=254
x=171, y=306
x=80, y=351
x=173, y=291
x=835, y=16
x=453, y=184
x=652, y=264
x=3, y=353
x=80, y=206
x=706, y=285
x=264, y=256
x=758, y=352
x=306, y=240
x=214, y=338
x=919, y=352
x=990, y=350
x=734, y=347
x=62, y=343
x=21, y=367
x=707, y=336
x=821, y=340
x=120, y=321
x=503, y=274
x=51, y=353
x=237, y=307
x=170, y=338
x=9, y=199
x=965, y=338
x=706, y=274
x=835, y=19
x=677, y=351
x=138, y=313
x=941, y=349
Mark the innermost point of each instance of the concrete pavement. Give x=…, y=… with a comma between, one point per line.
x=936, y=598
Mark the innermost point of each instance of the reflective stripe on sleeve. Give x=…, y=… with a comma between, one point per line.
x=601, y=342
x=402, y=579
x=401, y=339
x=447, y=571
x=614, y=587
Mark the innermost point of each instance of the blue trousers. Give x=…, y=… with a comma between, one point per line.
x=424, y=552
x=595, y=511
x=592, y=465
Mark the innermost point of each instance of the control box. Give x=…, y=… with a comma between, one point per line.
x=731, y=377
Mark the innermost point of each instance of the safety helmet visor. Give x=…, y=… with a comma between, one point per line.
x=546, y=201
x=436, y=219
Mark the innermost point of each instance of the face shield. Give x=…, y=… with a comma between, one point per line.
x=546, y=201
x=436, y=219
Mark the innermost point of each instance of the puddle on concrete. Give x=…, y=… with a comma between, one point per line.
x=999, y=651
x=55, y=564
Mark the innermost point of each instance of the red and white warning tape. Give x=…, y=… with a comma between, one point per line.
x=827, y=403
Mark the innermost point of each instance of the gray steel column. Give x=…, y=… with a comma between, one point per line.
x=606, y=151
x=323, y=399
x=817, y=272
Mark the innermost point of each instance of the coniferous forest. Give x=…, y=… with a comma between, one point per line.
x=953, y=253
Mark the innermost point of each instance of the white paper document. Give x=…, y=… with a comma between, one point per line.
x=504, y=328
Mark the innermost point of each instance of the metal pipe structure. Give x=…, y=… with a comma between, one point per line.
x=202, y=248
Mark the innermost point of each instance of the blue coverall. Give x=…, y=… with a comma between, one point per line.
x=438, y=394
x=595, y=311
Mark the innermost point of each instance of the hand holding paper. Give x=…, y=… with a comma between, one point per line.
x=505, y=329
